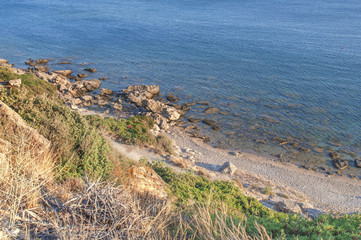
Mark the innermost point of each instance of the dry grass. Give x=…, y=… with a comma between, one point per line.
x=25, y=170
x=218, y=224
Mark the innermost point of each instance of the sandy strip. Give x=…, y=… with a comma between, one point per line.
x=338, y=194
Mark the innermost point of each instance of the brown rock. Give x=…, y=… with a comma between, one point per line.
x=3, y=61
x=340, y=163
x=92, y=70
x=82, y=75
x=103, y=78
x=209, y=122
x=106, y=92
x=152, y=89
x=357, y=162
x=41, y=68
x=211, y=110
x=144, y=180
x=42, y=61
x=63, y=72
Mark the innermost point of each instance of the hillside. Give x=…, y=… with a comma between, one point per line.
x=61, y=178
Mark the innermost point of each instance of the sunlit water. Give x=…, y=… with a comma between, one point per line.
x=274, y=68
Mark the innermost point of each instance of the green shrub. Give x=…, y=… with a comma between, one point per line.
x=189, y=187
x=81, y=149
x=134, y=130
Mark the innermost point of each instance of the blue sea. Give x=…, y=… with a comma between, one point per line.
x=290, y=69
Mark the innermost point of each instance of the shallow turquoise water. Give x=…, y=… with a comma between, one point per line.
x=278, y=68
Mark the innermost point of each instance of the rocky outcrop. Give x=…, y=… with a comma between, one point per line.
x=142, y=95
x=15, y=125
x=144, y=180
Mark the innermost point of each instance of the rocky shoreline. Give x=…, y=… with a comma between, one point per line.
x=144, y=100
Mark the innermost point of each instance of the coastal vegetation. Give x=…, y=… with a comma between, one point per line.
x=76, y=188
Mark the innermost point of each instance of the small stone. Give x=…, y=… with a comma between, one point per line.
x=302, y=149
x=103, y=78
x=92, y=70
x=234, y=153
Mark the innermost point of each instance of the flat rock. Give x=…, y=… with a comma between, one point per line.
x=211, y=110
x=63, y=72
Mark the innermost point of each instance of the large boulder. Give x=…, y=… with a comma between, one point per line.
x=144, y=180
x=228, y=167
x=3, y=61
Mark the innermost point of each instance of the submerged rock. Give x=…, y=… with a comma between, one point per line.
x=92, y=70
x=340, y=163
x=211, y=110
x=357, y=162
x=209, y=122
x=82, y=75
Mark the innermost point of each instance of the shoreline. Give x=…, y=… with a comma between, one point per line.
x=325, y=193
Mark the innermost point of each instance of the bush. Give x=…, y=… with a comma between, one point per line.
x=81, y=149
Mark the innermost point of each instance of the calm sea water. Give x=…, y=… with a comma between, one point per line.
x=274, y=67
